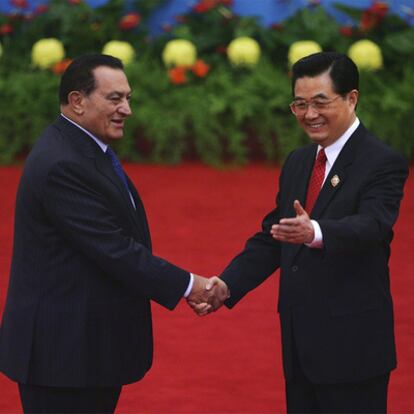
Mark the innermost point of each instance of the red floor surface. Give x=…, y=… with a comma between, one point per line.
x=229, y=362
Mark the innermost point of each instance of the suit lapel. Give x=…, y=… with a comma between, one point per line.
x=89, y=149
x=338, y=174
x=328, y=191
x=104, y=166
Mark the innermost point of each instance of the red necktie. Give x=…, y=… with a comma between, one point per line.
x=316, y=180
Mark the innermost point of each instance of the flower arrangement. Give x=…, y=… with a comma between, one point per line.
x=366, y=54
x=179, y=52
x=121, y=50
x=302, y=48
x=195, y=97
x=47, y=52
x=243, y=51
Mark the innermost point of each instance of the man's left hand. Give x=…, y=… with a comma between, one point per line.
x=294, y=230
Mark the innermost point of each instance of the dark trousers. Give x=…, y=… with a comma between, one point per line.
x=364, y=397
x=56, y=400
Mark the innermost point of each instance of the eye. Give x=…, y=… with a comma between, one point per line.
x=301, y=105
x=320, y=104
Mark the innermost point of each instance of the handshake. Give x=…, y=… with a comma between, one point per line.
x=207, y=295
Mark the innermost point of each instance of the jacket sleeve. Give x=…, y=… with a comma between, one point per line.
x=377, y=210
x=86, y=220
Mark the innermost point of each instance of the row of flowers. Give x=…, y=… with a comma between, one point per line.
x=180, y=55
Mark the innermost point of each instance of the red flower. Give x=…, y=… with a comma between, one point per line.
x=74, y=2
x=227, y=3
x=204, y=6
x=177, y=75
x=372, y=17
x=180, y=18
x=40, y=9
x=221, y=49
x=6, y=29
x=346, y=31
x=60, y=67
x=277, y=26
x=200, y=68
x=20, y=4
x=379, y=8
x=166, y=27
x=129, y=21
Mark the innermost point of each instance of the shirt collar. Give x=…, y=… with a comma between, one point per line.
x=332, y=151
x=102, y=146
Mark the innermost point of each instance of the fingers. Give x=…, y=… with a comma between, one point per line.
x=213, y=281
x=300, y=211
x=210, y=298
x=201, y=309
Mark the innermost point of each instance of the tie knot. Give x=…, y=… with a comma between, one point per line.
x=321, y=156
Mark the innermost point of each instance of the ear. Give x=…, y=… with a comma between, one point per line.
x=76, y=101
x=353, y=97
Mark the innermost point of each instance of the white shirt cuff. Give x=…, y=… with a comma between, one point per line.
x=190, y=286
x=317, y=242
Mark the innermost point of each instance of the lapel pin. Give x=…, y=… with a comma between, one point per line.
x=335, y=180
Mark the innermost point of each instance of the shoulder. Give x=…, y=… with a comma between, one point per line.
x=372, y=150
x=300, y=154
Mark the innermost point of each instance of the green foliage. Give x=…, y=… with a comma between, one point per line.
x=231, y=114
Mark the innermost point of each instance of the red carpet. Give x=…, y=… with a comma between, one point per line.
x=229, y=362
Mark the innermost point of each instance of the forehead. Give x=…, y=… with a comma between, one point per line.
x=109, y=79
x=310, y=87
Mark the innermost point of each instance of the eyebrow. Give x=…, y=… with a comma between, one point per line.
x=118, y=93
x=319, y=95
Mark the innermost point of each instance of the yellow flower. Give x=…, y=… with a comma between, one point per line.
x=366, y=55
x=47, y=52
x=243, y=51
x=179, y=52
x=121, y=50
x=302, y=48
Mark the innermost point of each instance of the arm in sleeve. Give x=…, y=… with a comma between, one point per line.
x=377, y=211
x=82, y=214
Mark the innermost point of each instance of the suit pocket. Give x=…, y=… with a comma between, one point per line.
x=338, y=307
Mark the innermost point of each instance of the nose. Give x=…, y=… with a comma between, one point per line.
x=125, y=108
x=311, y=113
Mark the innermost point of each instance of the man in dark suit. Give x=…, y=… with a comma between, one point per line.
x=335, y=304
x=77, y=320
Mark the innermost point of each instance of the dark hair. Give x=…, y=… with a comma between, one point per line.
x=342, y=70
x=79, y=74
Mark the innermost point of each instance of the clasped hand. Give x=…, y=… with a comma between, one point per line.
x=207, y=295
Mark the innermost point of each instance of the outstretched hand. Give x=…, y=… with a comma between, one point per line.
x=296, y=230
x=207, y=295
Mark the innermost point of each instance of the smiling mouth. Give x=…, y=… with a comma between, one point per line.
x=315, y=126
x=118, y=122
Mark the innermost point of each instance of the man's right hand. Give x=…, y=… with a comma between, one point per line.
x=207, y=295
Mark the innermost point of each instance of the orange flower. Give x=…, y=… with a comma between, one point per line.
x=129, y=21
x=177, y=75
x=60, y=67
x=200, y=68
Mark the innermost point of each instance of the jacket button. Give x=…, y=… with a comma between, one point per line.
x=295, y=268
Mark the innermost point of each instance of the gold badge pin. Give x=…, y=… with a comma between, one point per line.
x=335, y=181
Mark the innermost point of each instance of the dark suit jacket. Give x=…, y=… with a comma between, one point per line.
x=335, y=302
x=82, y=275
